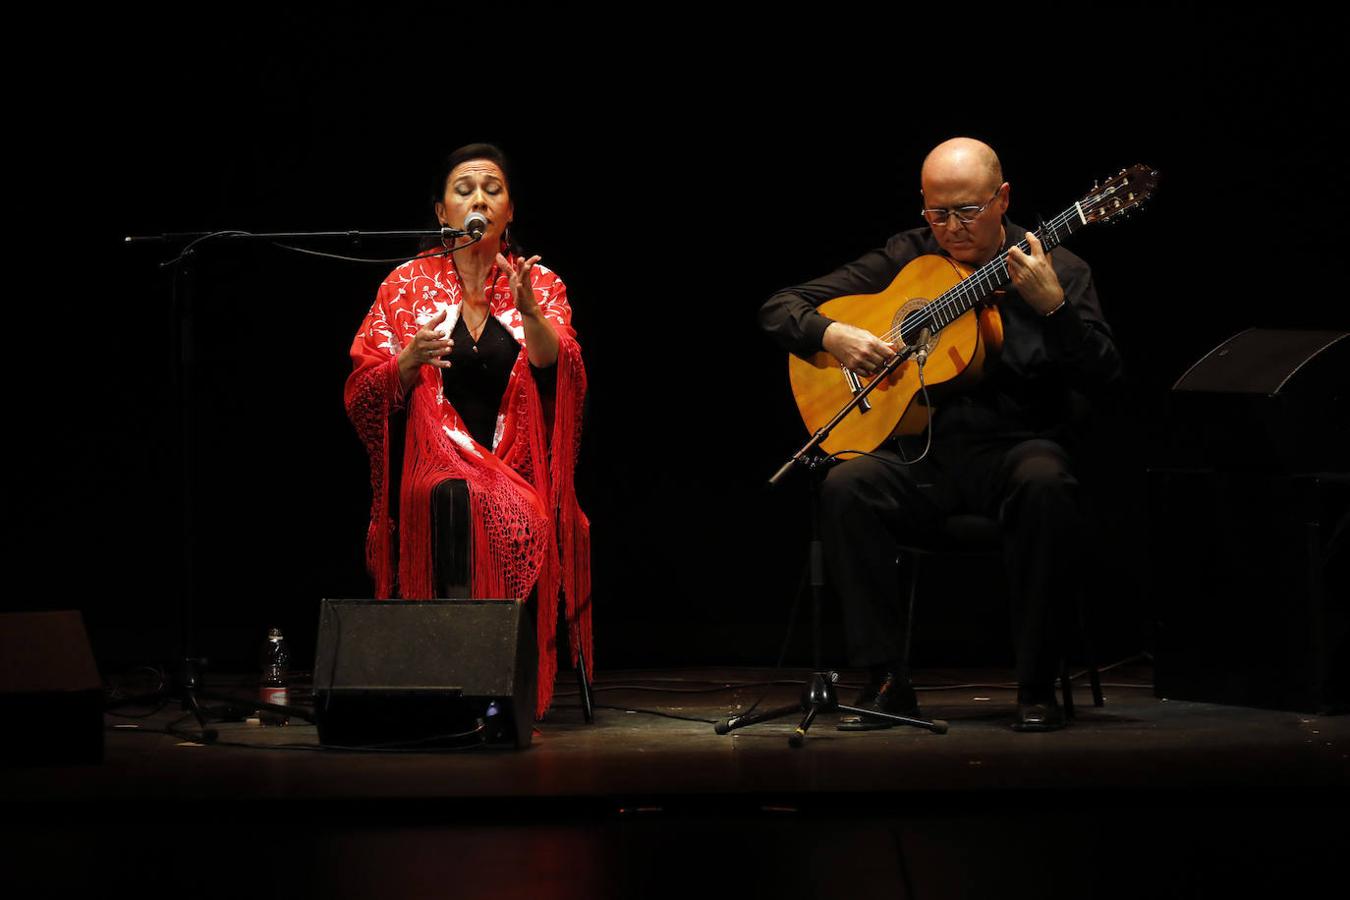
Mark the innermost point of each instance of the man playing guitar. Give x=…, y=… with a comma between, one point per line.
x=1001, y=447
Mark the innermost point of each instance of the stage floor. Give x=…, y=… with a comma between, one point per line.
x=1195, y=796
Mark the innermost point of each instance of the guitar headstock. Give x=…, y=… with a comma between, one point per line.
x=1120, y=194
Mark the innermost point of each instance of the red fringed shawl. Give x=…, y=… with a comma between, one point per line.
x=528, y=530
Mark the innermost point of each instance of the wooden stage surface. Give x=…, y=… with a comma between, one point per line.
x=1144, y=796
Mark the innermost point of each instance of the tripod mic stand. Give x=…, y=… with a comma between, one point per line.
x=818, y=696
x=818, y=693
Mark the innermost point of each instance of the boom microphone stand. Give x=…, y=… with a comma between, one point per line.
x=187, y=680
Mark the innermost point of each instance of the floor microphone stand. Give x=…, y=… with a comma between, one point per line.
x=818, y=693
x=818, y=696
x=186, y=676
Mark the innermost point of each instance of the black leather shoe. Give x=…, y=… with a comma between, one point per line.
x=1039, y=717
x=869, y=693
x=893, y=694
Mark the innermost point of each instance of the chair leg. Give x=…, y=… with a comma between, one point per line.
x=1090, y=657
x=584, y=685
x=1066, y=687
x=1090, y=663
x=909, y=614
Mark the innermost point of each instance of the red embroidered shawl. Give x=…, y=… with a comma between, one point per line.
x=528, y=530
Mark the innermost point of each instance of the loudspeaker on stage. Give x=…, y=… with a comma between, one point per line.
x=425, y=672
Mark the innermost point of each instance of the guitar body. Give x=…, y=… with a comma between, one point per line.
x=956, y=355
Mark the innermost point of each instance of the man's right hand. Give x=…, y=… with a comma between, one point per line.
x=856, y=349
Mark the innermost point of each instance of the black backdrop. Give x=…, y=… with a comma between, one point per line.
x=675, y=168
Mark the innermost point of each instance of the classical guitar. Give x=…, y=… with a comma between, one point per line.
x=949, y=301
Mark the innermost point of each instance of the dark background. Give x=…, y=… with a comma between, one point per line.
x=675, y=168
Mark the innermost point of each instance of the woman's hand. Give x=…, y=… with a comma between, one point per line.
x=541, y=341
x=428, y=347
x=519, y=280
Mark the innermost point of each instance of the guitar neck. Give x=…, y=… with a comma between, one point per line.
x=988, y=278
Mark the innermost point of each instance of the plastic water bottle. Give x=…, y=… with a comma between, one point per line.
x=276, y=669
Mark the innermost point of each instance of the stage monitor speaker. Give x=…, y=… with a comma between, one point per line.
x=1250, y=588
x=1266, y=399
x=425, y=672
x=51, y=696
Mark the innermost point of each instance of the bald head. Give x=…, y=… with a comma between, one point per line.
x=964, y=174
x=962, y=159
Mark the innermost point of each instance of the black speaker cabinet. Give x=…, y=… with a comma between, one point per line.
x=51, y=696
x=1249, y=522
x=1266, y=399
x=425, y=672
x=1250, y=588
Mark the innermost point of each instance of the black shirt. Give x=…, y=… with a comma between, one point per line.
x=478, y=375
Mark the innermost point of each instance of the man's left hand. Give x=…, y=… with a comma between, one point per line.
x=1034, y=277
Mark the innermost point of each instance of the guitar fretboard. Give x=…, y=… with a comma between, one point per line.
x=981, y=283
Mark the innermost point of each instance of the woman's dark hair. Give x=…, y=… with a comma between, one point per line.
x=490, y=152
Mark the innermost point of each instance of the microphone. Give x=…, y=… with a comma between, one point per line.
x=922, y=344
x=475, y=223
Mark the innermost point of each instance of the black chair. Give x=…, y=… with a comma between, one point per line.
x=450, y=539
x=975, y=535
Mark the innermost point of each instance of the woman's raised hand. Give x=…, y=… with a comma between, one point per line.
x=521, y=289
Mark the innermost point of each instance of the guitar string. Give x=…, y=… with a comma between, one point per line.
x=984, y=280
x=966, y=287
x=956, y=295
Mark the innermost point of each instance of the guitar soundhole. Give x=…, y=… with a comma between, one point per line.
x=909, y=321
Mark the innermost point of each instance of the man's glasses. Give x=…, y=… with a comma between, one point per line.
x=964, y=214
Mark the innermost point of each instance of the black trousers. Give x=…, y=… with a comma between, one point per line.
x=869, y=504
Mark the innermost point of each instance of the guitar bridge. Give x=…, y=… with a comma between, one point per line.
x=855, y=385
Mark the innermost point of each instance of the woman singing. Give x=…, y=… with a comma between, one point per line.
x=476, y=347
